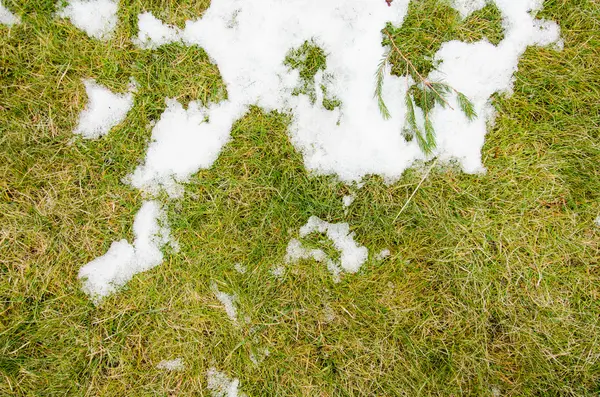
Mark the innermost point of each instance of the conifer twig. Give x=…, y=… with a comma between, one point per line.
x=408, y=62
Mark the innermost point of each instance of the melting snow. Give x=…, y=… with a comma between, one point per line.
x=98, y=18
x=383, y=254
x=352, y=256
x=104, y=110
x=278, y=272
x=241, y=269
x=248, y=40
x=228, y=302
x=102, y=276
x=221, y=385
x=183, y=141
x=348, y=200
x=8, y=18
x=171, y=365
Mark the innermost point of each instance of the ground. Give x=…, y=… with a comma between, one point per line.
x=492, y=286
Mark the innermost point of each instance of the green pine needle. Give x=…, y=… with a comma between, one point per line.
x=466, y=106
x=379, y=76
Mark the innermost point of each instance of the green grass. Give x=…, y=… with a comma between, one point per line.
x=493, y=283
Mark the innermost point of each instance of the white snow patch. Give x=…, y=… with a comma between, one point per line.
x=171, y=365
x=183, y=141
x=228, y=302
x=348, y=200
x=104, y=110
x=260, y=355
x=278, y=271
x=328, y=313
x=597, y=221
x=152, y=33
x=221, y=385
x=8, y=18
x=352, y=256
x=98, y=18
x=105, y=274
x=382, y=254
x=241, y=269
x=353, y=140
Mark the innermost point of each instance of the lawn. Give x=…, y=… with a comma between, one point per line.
x=492, y=287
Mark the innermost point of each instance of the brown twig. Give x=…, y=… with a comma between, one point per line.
x=408, y=62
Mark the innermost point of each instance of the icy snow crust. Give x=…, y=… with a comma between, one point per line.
x=248, y=40
x=98, y=18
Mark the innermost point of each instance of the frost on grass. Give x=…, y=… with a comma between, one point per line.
x=98, y=18
x=8, y=18
x=183, y=141
x=353, y=139
x=220, y=385
x=105, y=274
x=352, y=256
x=104, y=110
x=171, y=365
x=228, y=302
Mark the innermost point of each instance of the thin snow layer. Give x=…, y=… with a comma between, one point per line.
x=8, y=18
x=348, y=200
x=383, y=254
x=183, y=141
x=249, y=40
x=105, y=274
x=228, y=302
x=352, y=256
x=98, y=18
x=104, y=110
x=220, y=385
x=171, y=365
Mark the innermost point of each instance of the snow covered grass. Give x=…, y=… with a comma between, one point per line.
x=492, y=286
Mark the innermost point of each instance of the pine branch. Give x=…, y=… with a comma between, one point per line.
x=379, y=76
x=466, y=106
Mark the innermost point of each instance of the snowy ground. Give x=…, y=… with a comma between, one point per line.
x=231, y=226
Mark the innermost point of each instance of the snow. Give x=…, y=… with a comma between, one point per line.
x=382, y=254
x=248, y=40
x=153, y=33
x=352, y=256
x=183, y=141
x=221, y=385
x=348, y=200
x=98, y=18
x=102, y=276
x=8, y=18
x=171, y=365
x=278, y=271
x=228, y=302
x=597, y=221
x=104, y=110
x=241, y=269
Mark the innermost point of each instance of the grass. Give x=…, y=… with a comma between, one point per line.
x=493, y=285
